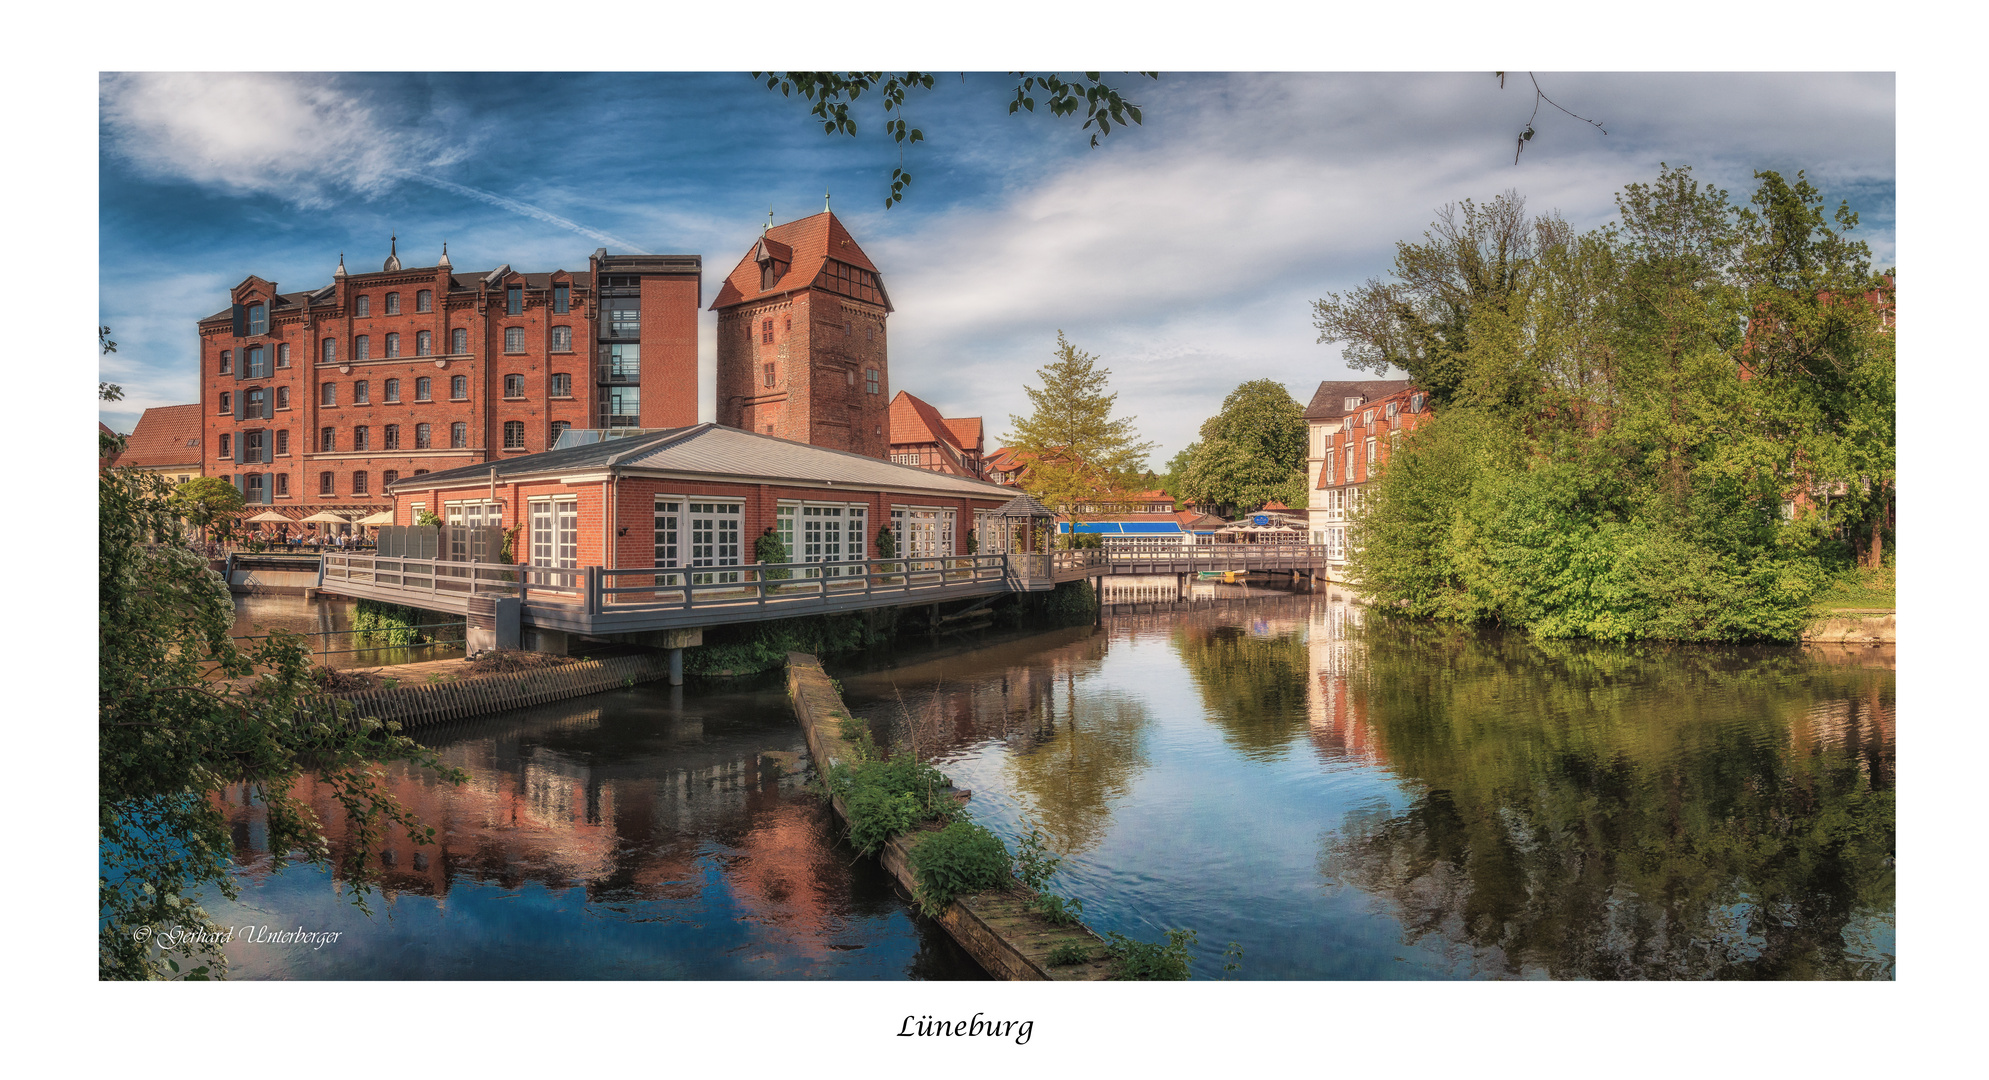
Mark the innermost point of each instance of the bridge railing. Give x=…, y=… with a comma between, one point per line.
x=424, y=577
x=1214, y=556
x=862, y=583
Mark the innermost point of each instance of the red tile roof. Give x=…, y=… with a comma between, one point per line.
x=810, y=241
x=162, y=438
x=966, y=431
x=913, y=421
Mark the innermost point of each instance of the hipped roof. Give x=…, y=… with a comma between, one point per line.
x=810, y=242
x=712, y=450
x=165, y=435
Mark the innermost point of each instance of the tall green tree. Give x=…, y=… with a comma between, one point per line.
x=1252, y=452
x=1077, y=453
x=209, y=503
x=1618, y=447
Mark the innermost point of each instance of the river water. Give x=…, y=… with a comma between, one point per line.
x=1334, y=795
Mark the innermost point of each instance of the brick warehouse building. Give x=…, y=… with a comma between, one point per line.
x=317, y=400
x=801, y=340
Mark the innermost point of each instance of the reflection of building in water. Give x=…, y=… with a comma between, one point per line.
x=1337, y=711
x=1860, y=725
x=558, y=804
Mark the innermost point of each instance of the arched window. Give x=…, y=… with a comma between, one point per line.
x=330, y=352
x=393, y=344
x=459, y=341
x=421, y=387
x=361, y=393
x=424, y=301
x=459, y=388
x=514, y=434
x=283, y=440
x=362, y=348
x=421, y=343
x=282, y=483
x=390, y=439
x=359, y=438
x=562, y=339
x=325, y=484
x=283, y=355
x=227, y=402
x=328, y=393
x=327, y=440
x=387, y=478
x=514, y=339
x=393, y=303
x=227, y=362
x=421, y=436
x=359, y=483
x=459, y=435
x=362, y=307
x=514, y=386
x=282, y=397
x=393, y=390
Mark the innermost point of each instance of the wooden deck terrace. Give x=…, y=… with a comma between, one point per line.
x=595, y=600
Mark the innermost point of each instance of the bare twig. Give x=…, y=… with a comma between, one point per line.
x=1539, y=95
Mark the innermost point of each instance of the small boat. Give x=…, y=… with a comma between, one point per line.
x=1230, y=577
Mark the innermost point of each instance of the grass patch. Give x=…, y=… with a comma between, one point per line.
x=1151, y=960
x=1860, y=588
x=1070, y=952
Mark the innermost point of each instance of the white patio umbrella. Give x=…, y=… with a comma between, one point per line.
x=384, y=517
x=329, y=518
x=274, y=518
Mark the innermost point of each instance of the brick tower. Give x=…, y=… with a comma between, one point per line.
x=801, y=342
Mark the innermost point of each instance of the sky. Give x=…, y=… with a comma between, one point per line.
x=1185, y=252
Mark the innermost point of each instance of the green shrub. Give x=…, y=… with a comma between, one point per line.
x=1151, y=960
x=1034, y=861
x=1064, y=911
x=877, y=815
x=1070, y=952
x=960, y=859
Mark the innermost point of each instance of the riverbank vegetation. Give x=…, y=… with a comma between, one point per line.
x=1678, y=426
x=174, y=731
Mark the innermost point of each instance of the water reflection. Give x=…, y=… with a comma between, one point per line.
x=1353, y=797
x=1592, y=812
x=323, y=622
x=616, y=837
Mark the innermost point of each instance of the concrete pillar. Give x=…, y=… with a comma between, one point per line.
x=676, y=667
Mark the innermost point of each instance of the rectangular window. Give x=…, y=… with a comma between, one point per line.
x=328, y=393
x=424, y=300
x=514, y=386
x=459, y=435
x=459, y=388
x=283, y=484
x=393, y=390
x=870, y=380
x=559, y=299
x=624, y=317
x=668, y=519
x=325, y=484
x=359, y=483
x=393, y=303
x=252, y=366
x=514, y=339
x=562, y=384
x=421, y=436
x=459, y=341
x=421, y=388
x=1370, y=451
x=423, y=343
x=393, y=344
x=387, y=478
x=227, y=446
x=622, y=406
x=620, y=363
x=768, y=374
x=227, y=362
x=766, y=332
x=514, y=299
x=283, y=441
x=226, y=402
x=361, y=392
x=390, y=438
x=362, y=307
x=282, y=397
x=283, y=355
x=714, y=529
x=258, y=320
x=514, y=434
x=329, y=354
x=562, y=339
x=362, y=348
x=327, y=440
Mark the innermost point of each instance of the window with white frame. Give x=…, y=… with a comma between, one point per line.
x=555, y=537
x=922, y=532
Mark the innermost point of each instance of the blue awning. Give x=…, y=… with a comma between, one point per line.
x=1123, y=528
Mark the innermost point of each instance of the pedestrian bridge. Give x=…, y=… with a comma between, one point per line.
x=597, y=601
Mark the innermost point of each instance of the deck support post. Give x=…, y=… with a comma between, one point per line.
x=676, y=667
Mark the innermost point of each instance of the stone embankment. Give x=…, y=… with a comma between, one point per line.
x=460, y=696
x=995, y=927
x=1855, y=627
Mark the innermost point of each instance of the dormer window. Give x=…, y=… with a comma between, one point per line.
x=1353, y=403
x=1416, y=402
x=258, y=320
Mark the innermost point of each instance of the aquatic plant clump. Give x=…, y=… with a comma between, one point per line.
x=960, y=859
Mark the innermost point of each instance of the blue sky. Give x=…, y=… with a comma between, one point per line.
x=1184, y=252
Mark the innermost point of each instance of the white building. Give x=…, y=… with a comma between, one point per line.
x=1331, y=506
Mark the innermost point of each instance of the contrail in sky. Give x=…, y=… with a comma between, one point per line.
x=526, y=209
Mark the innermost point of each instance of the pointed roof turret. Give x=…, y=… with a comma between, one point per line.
x=340, y=272
x=444, y=264
x=393, y=256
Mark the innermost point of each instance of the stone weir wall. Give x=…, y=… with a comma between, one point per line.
x=423, y=704
x=995, y=927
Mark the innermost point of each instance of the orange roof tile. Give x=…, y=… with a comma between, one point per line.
x=810, y=242
x=966, y=431
x=165, y=435
x=914, y=421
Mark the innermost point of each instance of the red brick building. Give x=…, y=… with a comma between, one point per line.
x=922, y=438
x=801, y=340
x=318, y=400
x=166, y=441
x=698, y=497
